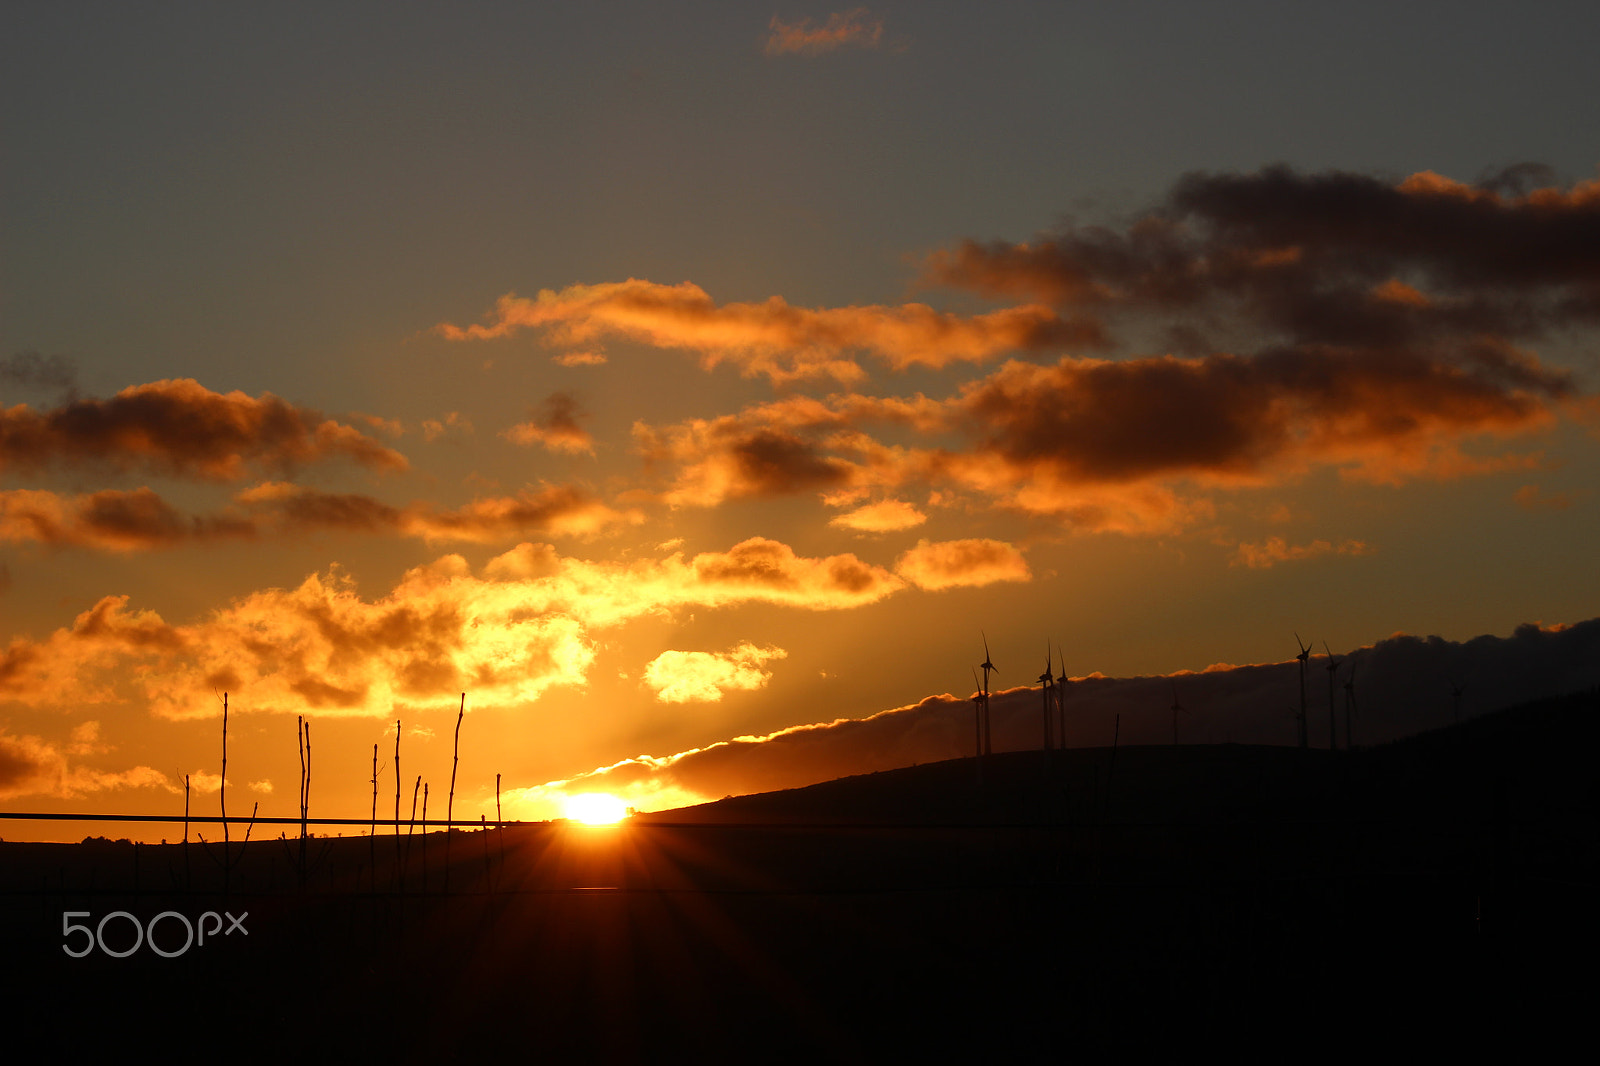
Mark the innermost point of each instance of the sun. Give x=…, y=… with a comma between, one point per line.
x=596, y=808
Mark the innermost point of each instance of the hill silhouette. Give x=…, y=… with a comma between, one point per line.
x=1436, y=890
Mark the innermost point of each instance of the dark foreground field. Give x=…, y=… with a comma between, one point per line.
x=1433, y=895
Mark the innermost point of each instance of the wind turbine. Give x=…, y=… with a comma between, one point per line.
x=1332, y=668
x=1350, y=707
x=1177, y=709
x=1305, y=653
x=979, y=702
x=1457, y=689
x=986, y=666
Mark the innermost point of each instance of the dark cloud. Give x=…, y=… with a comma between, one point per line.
x=110, y=520
x=1225, y=416
x=1332, y=258
x=140, y=520
x=30, y=370
x=181, y=428
x=555, y=426
x=738, y=456
x=1403, y=685
x=1109, y=444
x=300, y=509
x=552, y=509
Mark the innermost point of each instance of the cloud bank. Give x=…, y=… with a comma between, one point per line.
x=509, y=633
x=1402, y=684
x=772, y=339
x=857, y=28
x=180, y=428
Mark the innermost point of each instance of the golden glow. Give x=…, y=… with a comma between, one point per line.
x=596, y=808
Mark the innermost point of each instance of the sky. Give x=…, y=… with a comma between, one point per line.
x=676, y=382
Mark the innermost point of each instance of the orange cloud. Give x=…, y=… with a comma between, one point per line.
x=882, y=517
x=555, y=510
x=452, y=423
x=181, y=428
x=1529, y=498
x=579, y=359
x=1396, y=291
x=556, y=427
x=552, y=510
x=728, y=458
x=110, y=520
x=774, y=339
x=857, y=28
x=140, y=520
x=508, y=634
x=1276, y=550
x=689, y=676
x=299, y=509
x=30, y=768
x=1126, y=445
x=952, y=563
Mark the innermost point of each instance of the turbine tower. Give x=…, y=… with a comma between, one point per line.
x=1305, y=653
x=979, y=708
x=986, y=666
x=1332, y=668
x=1047, y=692
x=1177, y=709
x=977, y=714
x=1350, y=707
x=1457, y=689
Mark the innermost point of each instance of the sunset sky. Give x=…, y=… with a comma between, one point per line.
x=660, y=375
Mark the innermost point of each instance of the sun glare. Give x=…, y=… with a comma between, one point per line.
x=596, y=808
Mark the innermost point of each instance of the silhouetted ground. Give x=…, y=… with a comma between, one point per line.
x=1433, y=895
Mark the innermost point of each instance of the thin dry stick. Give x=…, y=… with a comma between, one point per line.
x=187, y=873
x=305, y=800
x=300, y=742
x=397, y=797
x=405, y=867
x=450, y=805
x=222, y=799
x=424, y=836
x=499, y=820
x=254, y=808
x=222, y=791
x=372, y=836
